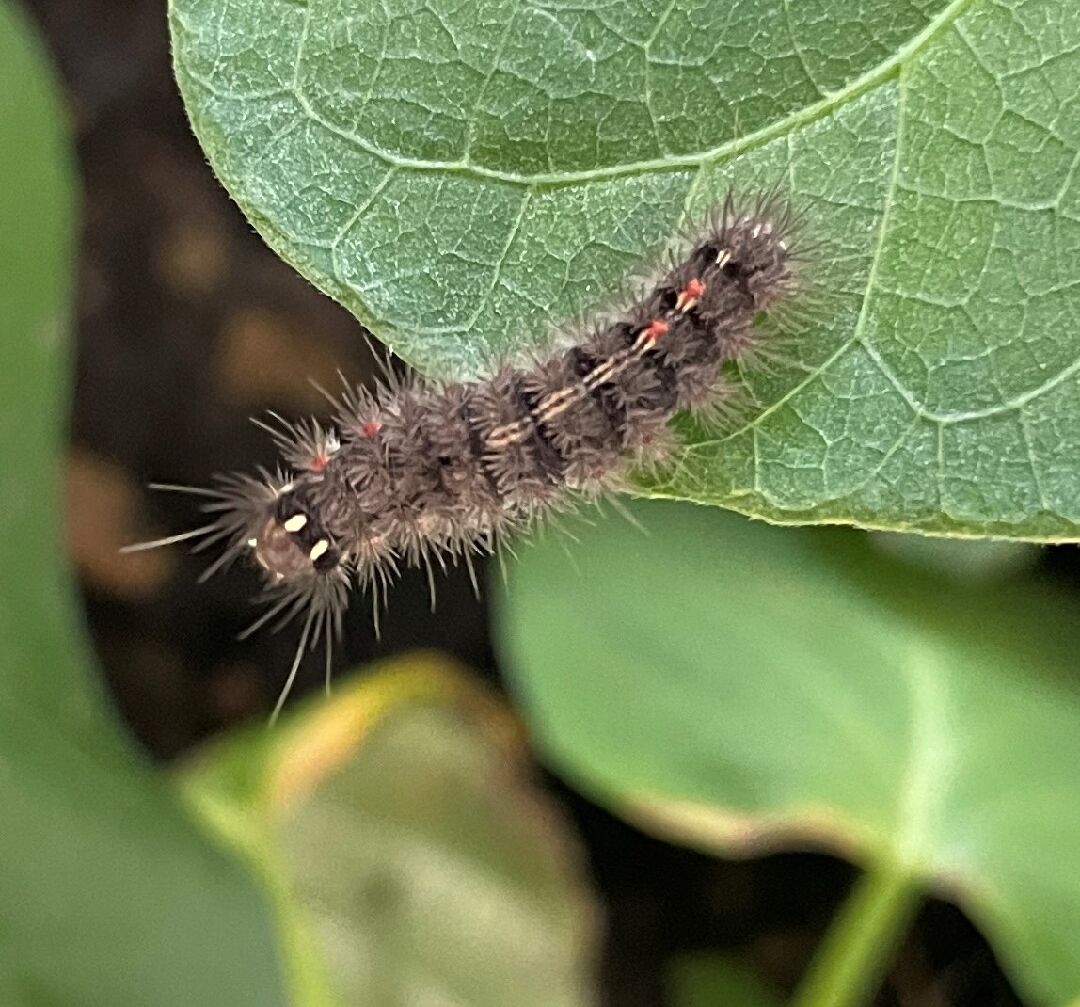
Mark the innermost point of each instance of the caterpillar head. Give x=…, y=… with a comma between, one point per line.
x=291, y=543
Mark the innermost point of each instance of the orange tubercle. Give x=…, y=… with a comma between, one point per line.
x=655, y=329
x=689, y=295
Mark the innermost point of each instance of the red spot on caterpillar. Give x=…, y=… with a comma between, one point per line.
x=655, y=329
x=318, y=463
x=689, y=294
x=370, y=429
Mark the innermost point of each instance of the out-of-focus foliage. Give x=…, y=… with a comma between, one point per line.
x=742, y=687
x=709, y=980
x=109, y=895
x=414, y=861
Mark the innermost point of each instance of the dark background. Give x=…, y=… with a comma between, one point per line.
x=187, y=323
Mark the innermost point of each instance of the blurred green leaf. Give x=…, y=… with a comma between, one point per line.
x=463, y=177
x=745, y=687
x=414, y=861
x=712, y=980
x=108, y=894
x=960, y=559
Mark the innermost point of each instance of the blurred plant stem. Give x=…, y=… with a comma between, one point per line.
x=859, y=946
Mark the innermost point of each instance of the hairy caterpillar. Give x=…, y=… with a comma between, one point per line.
x=417, y=471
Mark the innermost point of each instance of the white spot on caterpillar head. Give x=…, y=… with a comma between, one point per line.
x=295, y=523
x=253, y=543
x=318, y=550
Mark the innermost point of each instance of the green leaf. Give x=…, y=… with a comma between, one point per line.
x=711, y=980
x=745, y=687
x=108, y=894
x=463, y=177
x=414, y=861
